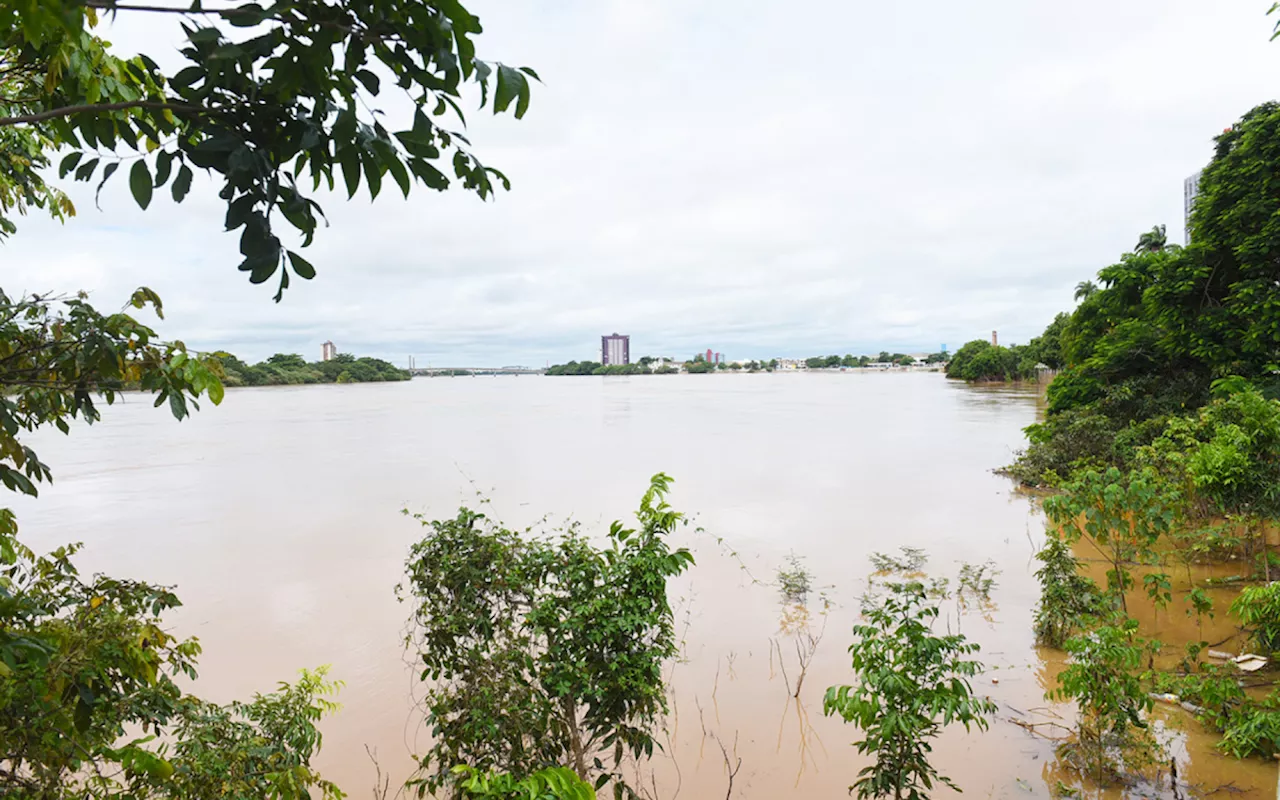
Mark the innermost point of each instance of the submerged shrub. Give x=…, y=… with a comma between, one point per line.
x=1258, y=608
x=1069, y=601
x=543, y=650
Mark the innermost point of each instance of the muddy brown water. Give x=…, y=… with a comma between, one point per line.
x=277, y=516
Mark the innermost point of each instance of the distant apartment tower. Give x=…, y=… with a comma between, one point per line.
x=615, y=349
x=710, y=356
x=327, y=351
x=1190, y=190
x=995, y=339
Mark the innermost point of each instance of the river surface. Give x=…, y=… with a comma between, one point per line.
x=277, y=515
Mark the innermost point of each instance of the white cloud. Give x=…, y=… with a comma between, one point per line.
x=761, y=179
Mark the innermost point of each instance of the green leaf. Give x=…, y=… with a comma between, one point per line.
x=397, y=169
x=181, y=184
x=140, y=183
x=86, y=169
x=301, y=267
x=369, y=80
x=512, y=85
x=83, y=716
x=246, y=16
x=164, y=163
x=216, y=392
x=429, y=175
x=107, y=172
x=372, y=173
x=177, y=405
x=204, y=35
x=69, y=163
x=350, y=161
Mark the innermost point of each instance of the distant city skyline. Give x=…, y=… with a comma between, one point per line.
x=412, y=358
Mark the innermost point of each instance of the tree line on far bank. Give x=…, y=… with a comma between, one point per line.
x=982, y=361
x=284, y=369
x=885, y=357
x=699, y=364
x=649, y=365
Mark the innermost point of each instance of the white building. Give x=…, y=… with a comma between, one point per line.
x=327, y=351
x=1190, y=190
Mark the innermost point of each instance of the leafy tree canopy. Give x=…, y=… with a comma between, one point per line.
x=271, y=98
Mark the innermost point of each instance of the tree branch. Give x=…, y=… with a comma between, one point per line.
x=96, y=108
x=107, y=5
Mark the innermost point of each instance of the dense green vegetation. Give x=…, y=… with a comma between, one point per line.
x=649, y=365
x=544, y=650
x=1162, y=439
x=885, y=357
x=980, y=360
x=596, y=368
x=1162, y=327
x=289, y=368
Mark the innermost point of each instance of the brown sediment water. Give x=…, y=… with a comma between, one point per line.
x=277, y=516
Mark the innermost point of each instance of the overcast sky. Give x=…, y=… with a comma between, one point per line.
x=759, y=178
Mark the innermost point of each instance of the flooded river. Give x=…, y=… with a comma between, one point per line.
x=277, y=516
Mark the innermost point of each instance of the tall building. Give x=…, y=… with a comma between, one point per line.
x=327, y=351
x=995, y=339
x=710, y=356
x=615, y=349
x=1190, y=189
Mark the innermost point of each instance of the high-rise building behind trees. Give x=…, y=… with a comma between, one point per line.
x=1190, y=189
x=615, y=349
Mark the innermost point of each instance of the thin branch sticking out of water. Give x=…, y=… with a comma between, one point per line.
x=731, y=767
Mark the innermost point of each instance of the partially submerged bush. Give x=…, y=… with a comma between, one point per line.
x=543, y=650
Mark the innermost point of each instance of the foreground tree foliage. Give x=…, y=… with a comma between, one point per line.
x=912, y=682
x=552, y=783
x=271, y=97
x=543, y=650
x=59, y=357
x=89, y=706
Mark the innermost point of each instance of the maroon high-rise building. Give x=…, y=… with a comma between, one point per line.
x=615, y=349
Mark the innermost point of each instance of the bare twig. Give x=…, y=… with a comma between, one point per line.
x=381, y=783
x=730, y=766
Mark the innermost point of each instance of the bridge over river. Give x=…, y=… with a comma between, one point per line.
x=473, y=371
